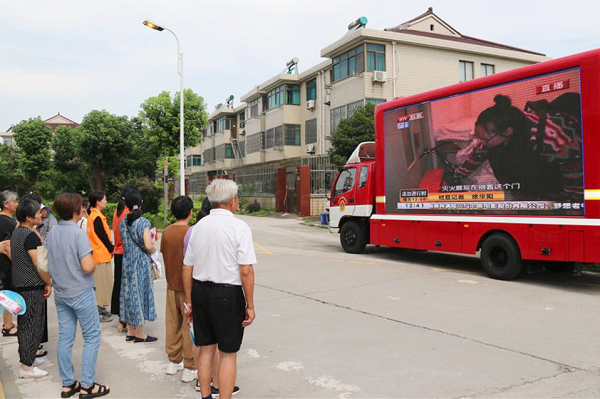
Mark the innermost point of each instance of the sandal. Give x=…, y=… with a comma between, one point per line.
x=73, y=389
x=6, y=332
x=129, y=338
x=40, y=353
x=87, y=392
x=121, y=326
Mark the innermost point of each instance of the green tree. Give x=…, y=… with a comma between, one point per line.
x=351, y=132
x=161, y=117
x=33, y=138
x=70, y=170
x=106, y=141
x=11, y=174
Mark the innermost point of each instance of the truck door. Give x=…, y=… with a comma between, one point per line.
x=343, y=197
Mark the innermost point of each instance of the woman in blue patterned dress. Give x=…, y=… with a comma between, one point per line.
x=137, y=294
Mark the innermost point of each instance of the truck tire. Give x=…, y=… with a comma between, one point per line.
x=501, y=258
x=352, y=237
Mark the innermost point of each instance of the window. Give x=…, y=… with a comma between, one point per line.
x=311, y=89
x=375, y=57
x=292, y=134
x=375, y=101
x=242, y=120
x=254, y=143
x=466, y=70
x=275, y=97
x=253, y=108
x=292, y=94
x=209, y=155
x=487, y=70
x=362, y=179
x=194, y=160
x=223, y=123
x=345, y=181
x=228, y=151
x=348, y=63
x=273, y=137
x=310, y=131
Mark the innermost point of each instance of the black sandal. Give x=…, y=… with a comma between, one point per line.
x=73, y=389
x=6, y=331
x=102, y=390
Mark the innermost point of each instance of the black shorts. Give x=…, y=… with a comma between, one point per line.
x=218, y=311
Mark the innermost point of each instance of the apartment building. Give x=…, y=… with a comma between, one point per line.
x=275, y=143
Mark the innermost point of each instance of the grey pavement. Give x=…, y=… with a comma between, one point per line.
x=384, y=324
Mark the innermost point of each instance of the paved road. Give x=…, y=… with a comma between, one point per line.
x=385, y=324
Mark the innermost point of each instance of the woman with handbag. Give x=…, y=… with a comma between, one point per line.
x=137, y=293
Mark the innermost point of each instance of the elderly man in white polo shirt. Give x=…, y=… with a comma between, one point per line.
x=218, y=280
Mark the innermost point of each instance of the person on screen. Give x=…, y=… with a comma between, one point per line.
x=543, y=168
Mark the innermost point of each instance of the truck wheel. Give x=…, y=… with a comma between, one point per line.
x=501, y=258
x=559, y=267
x=352, y=237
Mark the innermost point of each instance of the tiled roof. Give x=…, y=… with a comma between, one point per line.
x=461, y=39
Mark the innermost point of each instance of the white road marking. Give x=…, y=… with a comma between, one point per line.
x=468, y=281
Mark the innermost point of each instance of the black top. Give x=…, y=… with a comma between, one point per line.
x=24, y=273
x=101, y=233
x=7, y=226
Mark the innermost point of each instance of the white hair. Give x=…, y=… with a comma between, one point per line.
x=7, y=196
x=221, y=191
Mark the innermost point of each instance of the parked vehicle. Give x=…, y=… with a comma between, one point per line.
x=495, y=164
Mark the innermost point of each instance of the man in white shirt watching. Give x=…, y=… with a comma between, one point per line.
x=218, y=280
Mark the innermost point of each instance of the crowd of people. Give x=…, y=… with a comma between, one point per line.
x=208, y=269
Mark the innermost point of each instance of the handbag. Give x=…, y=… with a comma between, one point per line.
x=42, y=258
x=154, y=272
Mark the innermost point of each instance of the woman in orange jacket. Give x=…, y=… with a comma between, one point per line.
x=102, y=247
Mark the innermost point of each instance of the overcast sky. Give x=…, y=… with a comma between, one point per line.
x=74, y=56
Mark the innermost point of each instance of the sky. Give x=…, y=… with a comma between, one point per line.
x=75, y=56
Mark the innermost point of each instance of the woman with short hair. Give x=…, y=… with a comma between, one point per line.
x=71, y=267
x=33, y=284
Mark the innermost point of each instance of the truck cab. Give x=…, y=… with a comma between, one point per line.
x=352, y=199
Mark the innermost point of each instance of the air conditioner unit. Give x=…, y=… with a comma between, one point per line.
x=310, y=105
x=327, y=100
x=278, y=148
x=310, y=148
x=379, y=76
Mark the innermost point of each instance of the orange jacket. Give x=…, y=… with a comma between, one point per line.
x=100, y=252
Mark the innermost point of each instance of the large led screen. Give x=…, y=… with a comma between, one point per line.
x=512, y=149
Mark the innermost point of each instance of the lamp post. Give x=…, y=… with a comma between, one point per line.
x=181, y=130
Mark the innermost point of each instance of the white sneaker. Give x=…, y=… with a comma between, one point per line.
x=189, y=375
x=35, y=373
x=172, y=368
x=38, y=361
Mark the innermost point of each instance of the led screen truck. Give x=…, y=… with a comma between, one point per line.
x=508, y=165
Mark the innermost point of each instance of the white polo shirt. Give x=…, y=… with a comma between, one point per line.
x=219, y=243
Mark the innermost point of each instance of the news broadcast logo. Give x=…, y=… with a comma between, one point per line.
x=404, y=120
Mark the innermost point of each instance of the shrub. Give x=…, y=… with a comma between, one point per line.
x=254, y=207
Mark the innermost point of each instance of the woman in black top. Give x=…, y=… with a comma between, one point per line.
x=33, y=284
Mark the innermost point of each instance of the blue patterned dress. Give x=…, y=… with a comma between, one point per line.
x=137, y=293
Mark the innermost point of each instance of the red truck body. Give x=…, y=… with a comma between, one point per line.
x=508, y=164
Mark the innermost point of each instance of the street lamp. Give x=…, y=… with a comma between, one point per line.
x=180, y=70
